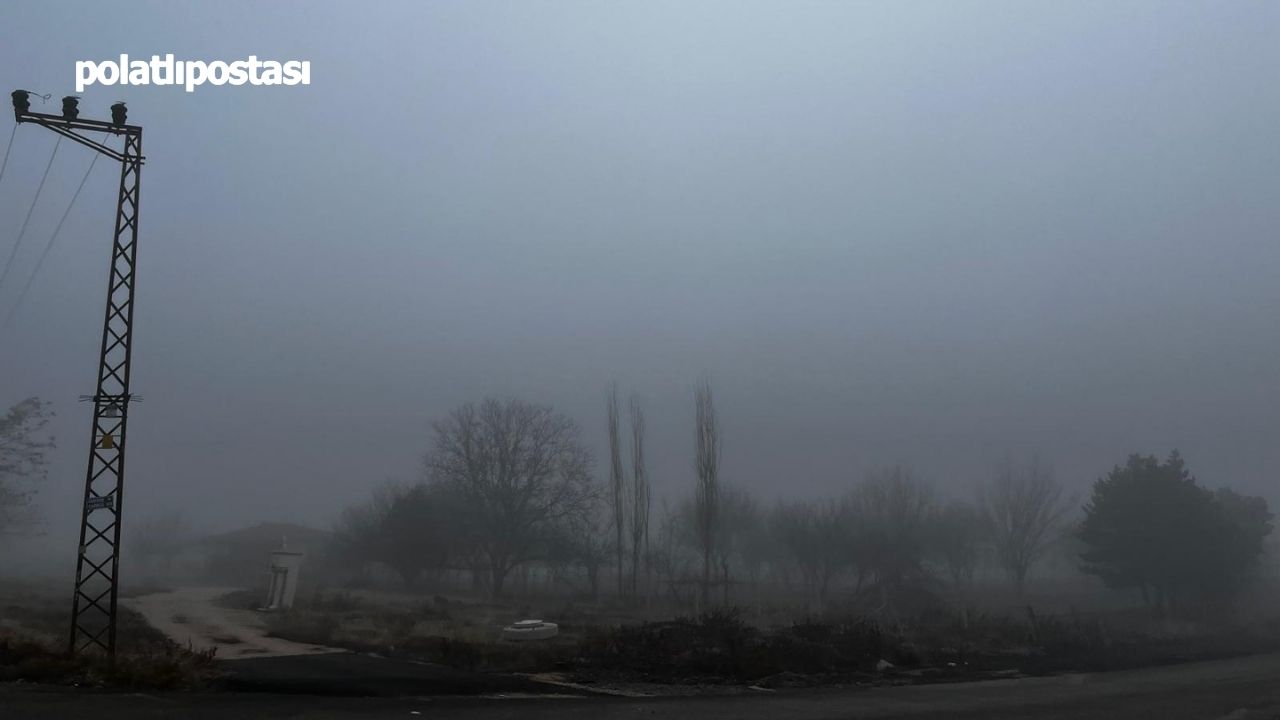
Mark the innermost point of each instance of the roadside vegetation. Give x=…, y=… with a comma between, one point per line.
x=33, y=627
x=608, y=645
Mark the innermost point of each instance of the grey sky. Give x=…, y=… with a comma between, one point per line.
x=931, y=233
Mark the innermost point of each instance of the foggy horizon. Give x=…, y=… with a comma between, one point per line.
x=928, y=234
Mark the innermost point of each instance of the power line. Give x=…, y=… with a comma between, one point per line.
x=5, y=163
x=39, y=188
x=49, y=245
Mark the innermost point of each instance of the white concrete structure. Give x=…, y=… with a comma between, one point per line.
x=284, y=579
x=530, y=630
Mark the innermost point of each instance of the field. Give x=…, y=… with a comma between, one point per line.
x=647, y=649
x=619, y=647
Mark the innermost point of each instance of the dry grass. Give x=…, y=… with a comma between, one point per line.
x=722, y=647
x=33, y=649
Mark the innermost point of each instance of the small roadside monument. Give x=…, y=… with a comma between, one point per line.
x=283, y=586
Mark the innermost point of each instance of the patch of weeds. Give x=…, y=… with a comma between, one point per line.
x=713, y=647
x=163, y=666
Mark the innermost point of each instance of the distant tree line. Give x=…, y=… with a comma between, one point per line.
x=508, y=485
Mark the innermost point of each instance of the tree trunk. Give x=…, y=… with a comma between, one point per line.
x=479, y=577
x=724, y=579
x=498, y=575
x=593, y=579
x=1020, y=581
x=706, y=579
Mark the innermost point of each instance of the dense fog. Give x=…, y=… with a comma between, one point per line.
x=904, y=234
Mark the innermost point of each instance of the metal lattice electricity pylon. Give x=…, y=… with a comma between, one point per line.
x=93, y=609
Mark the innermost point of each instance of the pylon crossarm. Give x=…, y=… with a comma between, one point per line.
x=78, y=123
x=87, y=142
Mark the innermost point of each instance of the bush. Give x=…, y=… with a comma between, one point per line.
x=714, y=646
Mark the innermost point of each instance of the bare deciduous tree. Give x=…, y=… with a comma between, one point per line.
x=358, y=536
x=617, y=482
x=22, y=461
x=737, y=521
x=890, y=511
x=707, y=466
x=1022, y=506
x=741, y=534
x=583, y=541
x=815, y=539
x=670, y=564
x=640, y=496
x=519, y=471
x=956, y=536
x=409, y=528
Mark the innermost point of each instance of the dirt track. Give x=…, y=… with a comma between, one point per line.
x=190, y=615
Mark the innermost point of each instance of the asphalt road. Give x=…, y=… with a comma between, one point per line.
x=1238, y=689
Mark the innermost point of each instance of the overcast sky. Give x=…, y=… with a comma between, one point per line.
x=937, y=234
